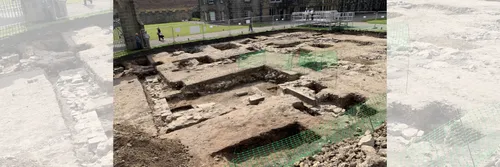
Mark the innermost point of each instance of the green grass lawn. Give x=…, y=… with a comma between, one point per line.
x=378, y=21
x=357, y=28
x=184, y=27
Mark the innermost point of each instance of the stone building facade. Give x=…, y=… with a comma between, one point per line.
x=221, y=10
x=165, y=16
x=125, y=10
x=45, y=10
x=164, y=11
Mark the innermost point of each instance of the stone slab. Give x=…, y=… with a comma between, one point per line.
x=98, y=58
x=302, y=96
x=32, y=124
x=255, y=99
x=131, y=106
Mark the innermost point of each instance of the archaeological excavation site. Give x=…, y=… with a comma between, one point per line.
x=262, y=99
x=56, y=95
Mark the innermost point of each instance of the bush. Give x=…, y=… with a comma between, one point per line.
x=195, y=19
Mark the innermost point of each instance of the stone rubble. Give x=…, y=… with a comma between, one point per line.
x=79, y=95
x=78, y=90
x=403, y=133
x=367, y=151
x=165, y=119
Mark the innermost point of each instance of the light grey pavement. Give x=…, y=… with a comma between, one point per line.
x=78, y=9
x=170, y=40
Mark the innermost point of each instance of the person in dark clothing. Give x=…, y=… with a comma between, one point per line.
x=250, y=26
x=312, y=15
x=138, y=41
x=161, y=37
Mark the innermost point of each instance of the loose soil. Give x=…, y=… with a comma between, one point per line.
x=133, y=148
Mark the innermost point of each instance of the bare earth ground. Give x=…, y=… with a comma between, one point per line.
x=132, y=108
x=136, y=149
x=43, y=114
x=205, y=114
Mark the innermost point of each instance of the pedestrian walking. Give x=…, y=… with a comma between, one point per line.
x=250, y=26
x=161, y=37
x=138, y=42
x=312, y=15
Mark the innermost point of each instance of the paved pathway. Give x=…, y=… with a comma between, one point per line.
x=169, y=40
x=78, y=9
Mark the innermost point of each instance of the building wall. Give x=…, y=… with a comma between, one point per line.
x=220, y=7
x=34, y=11
x=362, y=5
x=156, y=17
x=238, y=8
x=128, y=20
x=162, y=11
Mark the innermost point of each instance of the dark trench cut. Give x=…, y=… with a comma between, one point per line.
x=300, y=135
x=183, y=64
x=192, y=50
x=428, y=118
x=317, y=87
x=300, y=106
x=182, y=108
x=225, y=46
x=321, y=45
x=250, y=75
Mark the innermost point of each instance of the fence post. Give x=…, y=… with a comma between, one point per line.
x=272, y=19
x=468, y=147
x=203, y=30
x=371, y=124
x=284, y=22
x=229, y=27
x=173, y=35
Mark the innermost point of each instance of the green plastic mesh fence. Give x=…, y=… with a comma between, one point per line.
x=253, y=59
x=287, y=151
x=316, y=61
x=469, y=140
x=399, y=36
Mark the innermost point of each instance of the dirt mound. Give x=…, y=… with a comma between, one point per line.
x=134, y=148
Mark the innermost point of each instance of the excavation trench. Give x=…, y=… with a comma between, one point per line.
x=321, y=45
x=186, y=63
x=192, y=50
x=232, y=80
x=268, y=142
x=428, y=118
x=225, y=46
x=433, y=118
